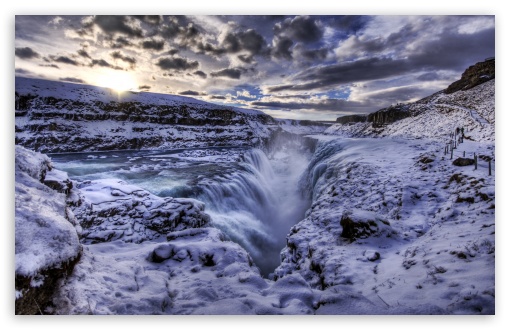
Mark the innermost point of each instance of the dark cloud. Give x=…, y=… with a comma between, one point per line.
x=171, y=29
x=101, y=63
x=210, y=49
x=26, y=53
x=310, y=54
x=120, y=42
x=153, y=44
x=64, y=59
x=448, y=51
x=282, y=48
x=337, y=105
x=149, y=19
x=349, y=24
x=217, y=97
x=173, y=51
x=248, y=40
x=248, y=59
x=83, y=53
x=117, y=55
x=429, y=76
x=176, y=63
x=118, y=24
x=190, y=93
x=50, y=66
x=396, y=42
x=144, y=87
x=228, y=73
x=201, y=74
x=300, y=28
x=22, y=71
x=72, y=80
x=454, y=51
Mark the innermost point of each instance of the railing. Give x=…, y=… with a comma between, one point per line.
x=451, y=148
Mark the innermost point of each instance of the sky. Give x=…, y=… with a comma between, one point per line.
x=299, y=67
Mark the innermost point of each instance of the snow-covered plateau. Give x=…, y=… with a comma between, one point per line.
x=55, y=116
x=372, y=217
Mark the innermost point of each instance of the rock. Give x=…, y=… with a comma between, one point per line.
x=111, y=209
x=352, y=119
x=372, y=255
x=361, y=224
x=389, y=115
x=474, y=75
x=59, y=181
x=463, y=161
x=46, y=243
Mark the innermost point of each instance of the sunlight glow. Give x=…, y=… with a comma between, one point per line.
x=120, y=81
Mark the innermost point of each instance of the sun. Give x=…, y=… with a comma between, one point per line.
x=119, y=81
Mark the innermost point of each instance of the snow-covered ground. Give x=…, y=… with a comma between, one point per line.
x=424, y=235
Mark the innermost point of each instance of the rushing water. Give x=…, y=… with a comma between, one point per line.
x=253, y=199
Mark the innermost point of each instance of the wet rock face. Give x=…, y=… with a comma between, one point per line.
x=474, y=76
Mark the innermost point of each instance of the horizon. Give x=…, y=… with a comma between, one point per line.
x=293, y=67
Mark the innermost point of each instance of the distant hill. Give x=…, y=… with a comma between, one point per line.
x=468, y=102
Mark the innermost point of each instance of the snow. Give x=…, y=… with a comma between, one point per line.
x=44, y=238
x=111, y=209
x=196, y=272
x=437, y=253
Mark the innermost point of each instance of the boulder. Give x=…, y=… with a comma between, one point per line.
x=463, y=161
x=358, y=224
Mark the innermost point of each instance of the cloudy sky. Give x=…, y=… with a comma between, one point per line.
x=303, y=67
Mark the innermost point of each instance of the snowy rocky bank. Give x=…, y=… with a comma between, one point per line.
x=46, y=242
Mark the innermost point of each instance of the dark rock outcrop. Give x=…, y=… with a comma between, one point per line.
x=474, y=76
x=352, y=119
x=463, y=162
x=362, y=224
x=389, y=115
x=36, y=299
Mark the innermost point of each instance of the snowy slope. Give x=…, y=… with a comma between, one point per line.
x=436, y=117
x=394, y=220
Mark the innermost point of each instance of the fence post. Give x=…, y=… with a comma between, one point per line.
x=490, y=173
x=445, y=147
x=464, y=154
x=451, y=155
x=476, y=161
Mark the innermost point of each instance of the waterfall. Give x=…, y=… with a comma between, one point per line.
x=255, y=207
